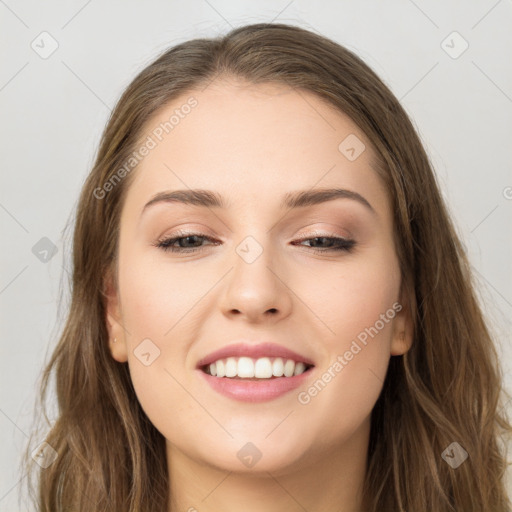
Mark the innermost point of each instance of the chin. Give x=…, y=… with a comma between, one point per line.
x=256, y=457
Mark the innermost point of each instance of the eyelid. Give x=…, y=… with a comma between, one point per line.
x=198, y=230
x=326, y=233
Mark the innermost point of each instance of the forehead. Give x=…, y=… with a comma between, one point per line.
x=250, y=141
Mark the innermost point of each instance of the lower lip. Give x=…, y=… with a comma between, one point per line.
x=254, y=390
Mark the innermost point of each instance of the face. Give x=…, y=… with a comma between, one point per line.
x=321, y=279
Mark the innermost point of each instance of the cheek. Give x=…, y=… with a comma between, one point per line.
x=155, y=296
x=161, y=306
x=352, y=299
x=152, y=306
x=358, y=307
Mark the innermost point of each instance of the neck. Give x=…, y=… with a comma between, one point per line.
x=330, y=480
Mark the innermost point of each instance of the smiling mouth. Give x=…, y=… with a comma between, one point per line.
x=307, y=368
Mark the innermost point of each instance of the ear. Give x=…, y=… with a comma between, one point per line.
x=403, y=324
x=113, y=319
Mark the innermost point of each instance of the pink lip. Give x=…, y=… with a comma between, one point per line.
x=252, y=390
x=254, y=351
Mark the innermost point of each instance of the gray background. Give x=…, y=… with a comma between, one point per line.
x=54, y=109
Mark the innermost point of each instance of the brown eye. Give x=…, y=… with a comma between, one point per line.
x=185, y=243
x=333, y=243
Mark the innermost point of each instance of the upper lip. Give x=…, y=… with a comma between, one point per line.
x=255, y=351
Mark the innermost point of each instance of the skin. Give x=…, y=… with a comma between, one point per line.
x=250, y=142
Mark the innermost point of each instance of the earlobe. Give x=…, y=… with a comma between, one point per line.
x=403, y=328
x=401, y=344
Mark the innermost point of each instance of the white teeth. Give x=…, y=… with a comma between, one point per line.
x=231, y=367
x=278, y=367
x=245, y=367
x=299, y=368
x=288, y=368
x=220, y=369
x=262, y=368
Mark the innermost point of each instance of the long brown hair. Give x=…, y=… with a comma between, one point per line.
x=446, y=389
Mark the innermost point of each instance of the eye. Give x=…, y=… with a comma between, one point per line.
x=187, y=240
x=335, y=244
x=167, y=244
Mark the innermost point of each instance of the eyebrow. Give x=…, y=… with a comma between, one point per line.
x=291, y=200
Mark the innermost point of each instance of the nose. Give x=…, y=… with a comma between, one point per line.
x=257, y=289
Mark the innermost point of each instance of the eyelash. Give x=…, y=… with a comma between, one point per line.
x=165, y=244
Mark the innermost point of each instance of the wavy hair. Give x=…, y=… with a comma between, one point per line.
x=447, y=388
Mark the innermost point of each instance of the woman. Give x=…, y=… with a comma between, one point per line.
x=270, y=306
